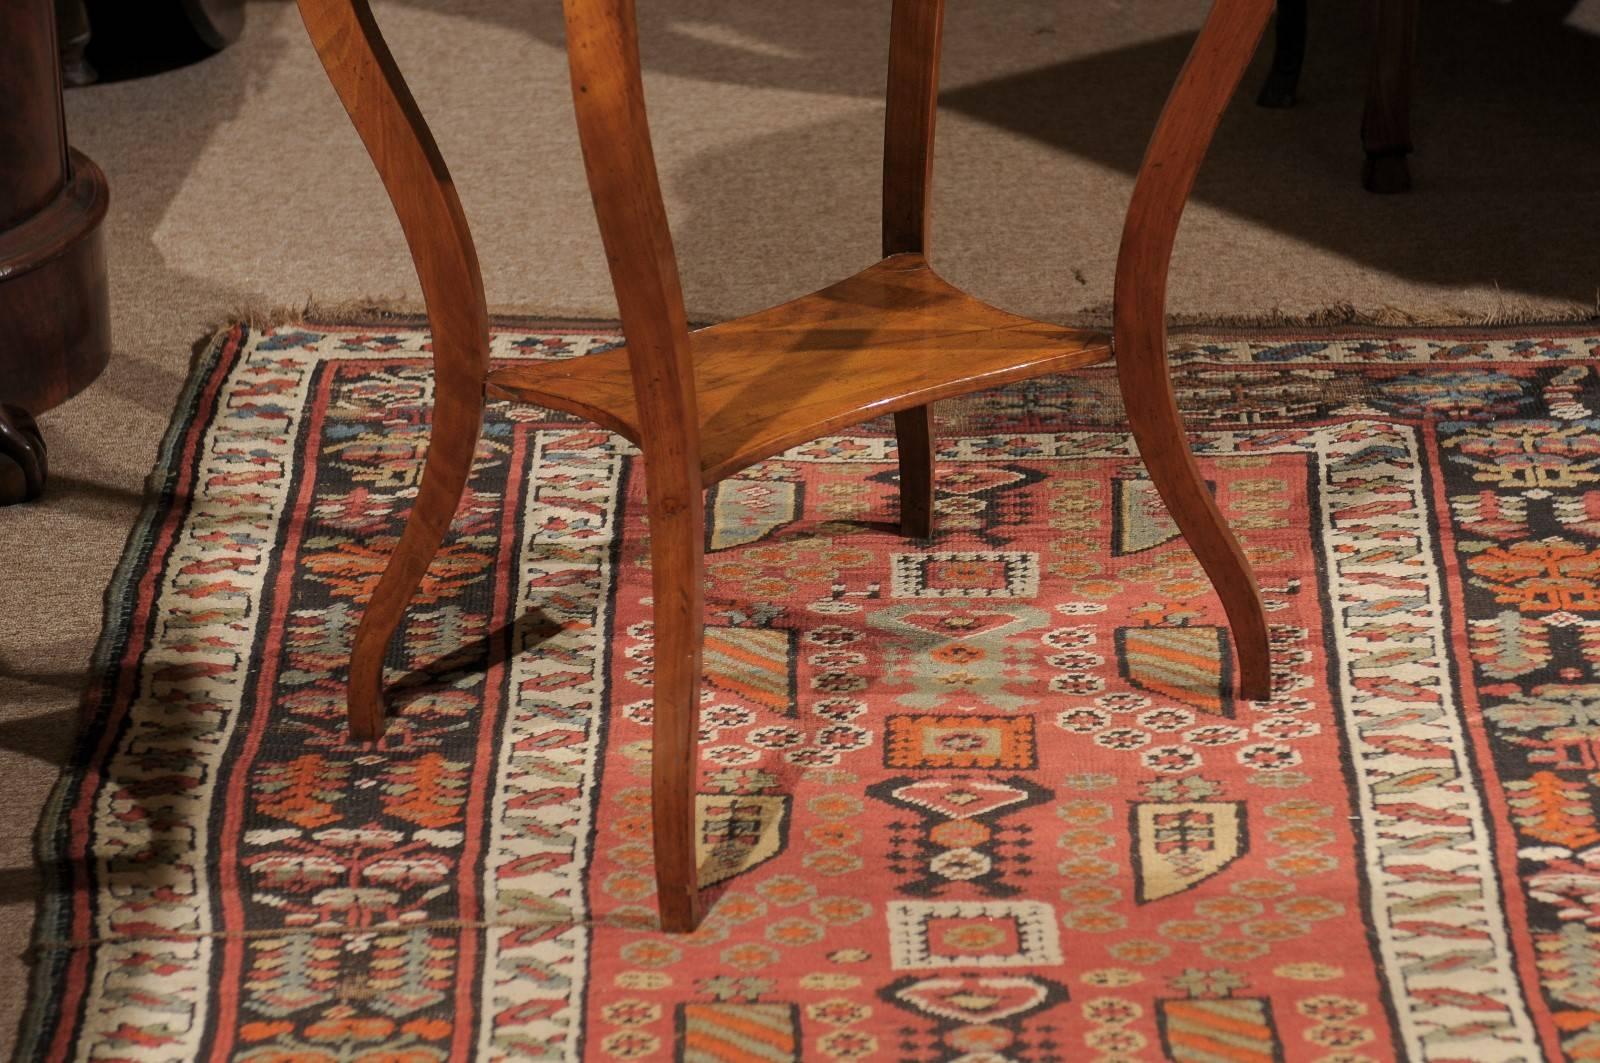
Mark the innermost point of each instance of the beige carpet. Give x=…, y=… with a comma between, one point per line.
x=238, y=184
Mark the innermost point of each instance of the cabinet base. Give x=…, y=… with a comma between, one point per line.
x=55, y=315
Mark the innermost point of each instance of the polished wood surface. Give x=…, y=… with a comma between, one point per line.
x=893, y=337
x=608, y=93
x=55, y=320
x=1182, y=136
x=916, y=32
x=380, y=106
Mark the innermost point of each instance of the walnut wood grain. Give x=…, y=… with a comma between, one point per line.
x=916, y=32
x=916, y=37
x=659, y=376
x=1178, y=147
x=380, y=106
x=893, y=337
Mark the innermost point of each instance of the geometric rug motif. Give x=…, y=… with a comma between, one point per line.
x=1178, y=846
x=1141, y=520
x=963, y=836
x=977, y=799
x=1192, y=664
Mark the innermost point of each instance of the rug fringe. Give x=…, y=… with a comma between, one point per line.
x=1348, y=315
x=374, y=309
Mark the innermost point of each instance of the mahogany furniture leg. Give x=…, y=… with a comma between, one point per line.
x=1182, y=137
x=55, y=319
x=1386, y=122
x=1288, y=56
x=916, y=32
x=380, y=105
x=608, y=92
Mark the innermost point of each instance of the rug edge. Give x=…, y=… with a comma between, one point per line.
x=1334, y=317
x=47, y=979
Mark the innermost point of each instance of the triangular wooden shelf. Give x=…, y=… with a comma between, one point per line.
x=894, y=336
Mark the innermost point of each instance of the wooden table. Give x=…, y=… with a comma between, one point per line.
x=891, y=339
x=55, y=333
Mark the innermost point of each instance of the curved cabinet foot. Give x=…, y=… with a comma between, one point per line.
x=380, y=106
x=1178, y=147
x=24, y=463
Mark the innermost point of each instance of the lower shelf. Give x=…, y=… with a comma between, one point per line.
x=894, y=336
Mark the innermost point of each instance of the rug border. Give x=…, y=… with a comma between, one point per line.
x=42, y=1015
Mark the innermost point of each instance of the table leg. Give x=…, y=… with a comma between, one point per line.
x=380, y=105
x=1182, y=137
x=916, y=38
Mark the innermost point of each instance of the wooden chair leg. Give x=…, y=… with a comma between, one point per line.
x=913, y=434
x=1282, y=85
x=1178, y=147
x=677, y=533
x=374, y=93
x=1386, y=122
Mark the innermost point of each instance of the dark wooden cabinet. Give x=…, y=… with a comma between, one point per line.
x=55, y=333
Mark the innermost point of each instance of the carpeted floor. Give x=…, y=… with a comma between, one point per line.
x=237, y=184
x=984, y=797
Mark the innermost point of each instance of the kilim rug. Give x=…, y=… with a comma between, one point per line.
x=988, y=798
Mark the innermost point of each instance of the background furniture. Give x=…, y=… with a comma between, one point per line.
x=1386, y=122
x=55, y=330
x=116, y=39
x=890, y=339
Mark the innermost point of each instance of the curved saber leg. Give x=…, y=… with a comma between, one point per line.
x=608, y=100
x=373, y=92
x=1181, y=139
